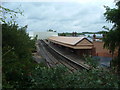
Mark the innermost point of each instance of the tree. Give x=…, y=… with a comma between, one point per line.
x=112, y=37
x=17, y=47
x=8, y=13
x=17, y=55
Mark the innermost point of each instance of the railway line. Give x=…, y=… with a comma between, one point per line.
x=54, y=58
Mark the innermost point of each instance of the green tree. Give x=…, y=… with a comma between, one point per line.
x=17, y=47
x=17, y=56
x=112, y=37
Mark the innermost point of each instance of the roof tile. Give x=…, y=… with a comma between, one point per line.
x=66, y=40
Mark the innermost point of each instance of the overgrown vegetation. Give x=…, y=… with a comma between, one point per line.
x=112, y=36
x=60, y=78
x=17, y=55
x=93, y=62
x=17, y=49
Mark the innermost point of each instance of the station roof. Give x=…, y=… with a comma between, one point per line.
x=66, y=40
x=72, y=42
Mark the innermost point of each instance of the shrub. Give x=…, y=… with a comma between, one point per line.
x=93, y=62
x=60, y=78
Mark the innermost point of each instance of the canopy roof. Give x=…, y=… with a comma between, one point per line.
x=68, y=40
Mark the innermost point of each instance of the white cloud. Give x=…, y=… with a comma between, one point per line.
x=80, y=16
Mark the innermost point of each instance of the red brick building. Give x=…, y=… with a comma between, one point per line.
x=100, y=51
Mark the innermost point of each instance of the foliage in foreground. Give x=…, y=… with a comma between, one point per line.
x=17, y=60
x=60, y=78
x=93, y=62
x=112, y=37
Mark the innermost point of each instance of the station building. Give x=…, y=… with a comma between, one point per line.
x=44, y=35
x=78, y=45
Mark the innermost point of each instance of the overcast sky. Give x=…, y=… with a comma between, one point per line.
x=80, y=16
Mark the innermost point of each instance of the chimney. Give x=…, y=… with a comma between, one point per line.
x=103, y=35
x=94, y=37
x=75, y=33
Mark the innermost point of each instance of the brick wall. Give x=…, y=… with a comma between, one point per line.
x=100, y=51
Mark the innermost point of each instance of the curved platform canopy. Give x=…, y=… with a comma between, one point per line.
x=72, y=42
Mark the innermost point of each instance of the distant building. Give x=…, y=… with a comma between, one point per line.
x=44, y=35
x=95, y=37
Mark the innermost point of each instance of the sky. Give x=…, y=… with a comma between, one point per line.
x=62, y=16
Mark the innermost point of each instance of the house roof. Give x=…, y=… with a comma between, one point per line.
x=67, y=40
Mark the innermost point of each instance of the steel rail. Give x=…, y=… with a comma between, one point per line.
x=72, y=63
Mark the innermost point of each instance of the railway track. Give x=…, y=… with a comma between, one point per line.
x=54, y=58
x=50, y=59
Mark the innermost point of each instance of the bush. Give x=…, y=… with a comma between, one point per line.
x=17, y=60
x=60, y=78
x=43, y=77
x=93, y=62
x=115, y=65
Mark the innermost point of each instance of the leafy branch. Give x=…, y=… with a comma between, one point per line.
x=9, y=16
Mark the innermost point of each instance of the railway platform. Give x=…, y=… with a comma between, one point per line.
x=70, y=55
